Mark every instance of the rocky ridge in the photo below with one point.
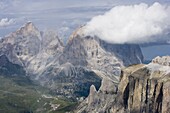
(165, 60)
(48, 61)
(21, 45)
(29, 47)
(96, 54)
(142, 89)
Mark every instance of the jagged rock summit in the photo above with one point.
(21, 45)
(31, 48)
(96, 54)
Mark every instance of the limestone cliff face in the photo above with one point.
(21, 45)
(51, 48)
(98, 55)
(142, 89)
(31, 48)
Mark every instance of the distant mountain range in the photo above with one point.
(85, 67)
(67, 70)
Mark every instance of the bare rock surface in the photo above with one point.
(165, 60)
(98, 55)
(142, 89)
(21, 45)
(99, 101)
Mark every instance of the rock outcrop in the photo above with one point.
(142, 89)
(99, 101)
(165, 60)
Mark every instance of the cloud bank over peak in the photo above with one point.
(131, 24)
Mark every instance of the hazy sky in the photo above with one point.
(62, 15)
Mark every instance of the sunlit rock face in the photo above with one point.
(99, 101)
(31, 48)
(142, 88)
(99, 55)
(21, 45)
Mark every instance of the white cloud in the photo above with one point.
(131, 24)
(6, 22)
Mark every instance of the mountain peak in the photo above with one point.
(30, 25)
(28, 28)
(79, 32)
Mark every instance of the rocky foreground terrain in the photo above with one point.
(142, 89)
(68, 70)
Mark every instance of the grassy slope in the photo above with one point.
(18, 94)
(25, 98)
